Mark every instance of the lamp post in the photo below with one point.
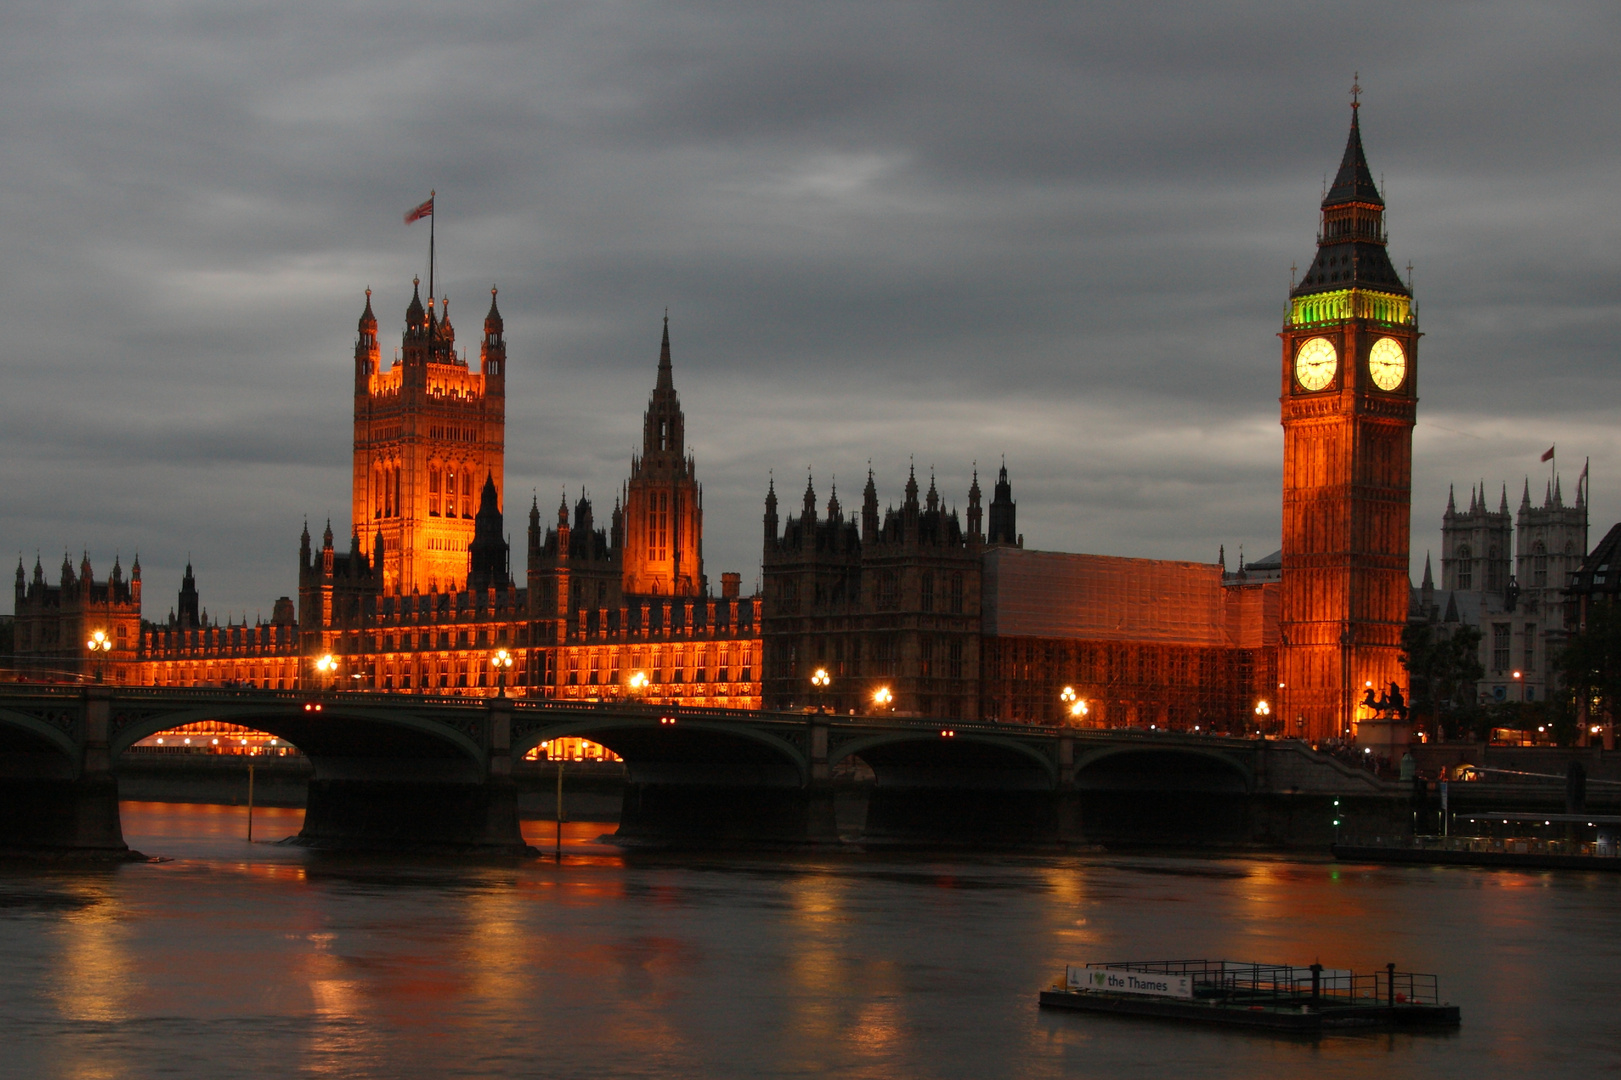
(99, 645)
(1073, 704)
(502, 663)
(883, 699)
(1262, 711)
(327, 666)
(1519, 680)
(820, 681)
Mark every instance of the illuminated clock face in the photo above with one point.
(1316, 363)
(1387, 363)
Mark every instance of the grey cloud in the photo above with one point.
(1057, 231)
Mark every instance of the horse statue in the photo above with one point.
(1392, 704)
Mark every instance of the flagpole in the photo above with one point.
(433, 218)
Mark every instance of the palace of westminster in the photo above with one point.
(952, 618)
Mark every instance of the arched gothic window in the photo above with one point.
(433, 491)
(658, 526)
(1539, 565)
(1466, 567)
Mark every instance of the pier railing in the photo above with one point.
(1278, 985)
(1493, 845)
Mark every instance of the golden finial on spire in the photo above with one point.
(1356, 90)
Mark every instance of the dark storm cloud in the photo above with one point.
(1058, 232)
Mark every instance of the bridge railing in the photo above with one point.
(549, 706)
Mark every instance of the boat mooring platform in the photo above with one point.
(1275, 997)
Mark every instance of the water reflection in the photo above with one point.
(266, 960)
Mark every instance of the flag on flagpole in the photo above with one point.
(426, 210)
(1548, 455)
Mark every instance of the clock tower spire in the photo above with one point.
(1348, 402)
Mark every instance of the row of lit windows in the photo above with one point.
(724, 662)
(447, 674)
(261, 677)
(463, 638)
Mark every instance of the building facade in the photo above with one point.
(949, 618)
(1149, 643)
(911, 613)
(422, 597)
(887, 603)
(51, 624)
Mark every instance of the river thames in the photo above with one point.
(230, 959)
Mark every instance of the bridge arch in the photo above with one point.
(46, 740)
(339, 730)
(1169, 767)
(645, 742)
(965, 749)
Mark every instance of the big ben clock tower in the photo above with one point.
(1349, 397)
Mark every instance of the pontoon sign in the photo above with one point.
(1110, 981)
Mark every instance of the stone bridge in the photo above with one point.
(420, 771)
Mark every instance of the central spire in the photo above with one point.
(663, 552)
(662, 434)
(666, 379)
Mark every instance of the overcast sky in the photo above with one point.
(1062, 233)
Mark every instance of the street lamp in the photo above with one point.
(883, 698)
(1076, 705)
(99, 645)
(1262, 711)
(502, 663)
(637, 683)
(1519, 680)
(327, 666)
(821, 680)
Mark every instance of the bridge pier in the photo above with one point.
(974, 816)
(946, 786)
(417, 803)
(661, 808)
(359, 809)
(50, 802)
(748, 800)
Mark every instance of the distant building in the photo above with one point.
(1507, 576)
